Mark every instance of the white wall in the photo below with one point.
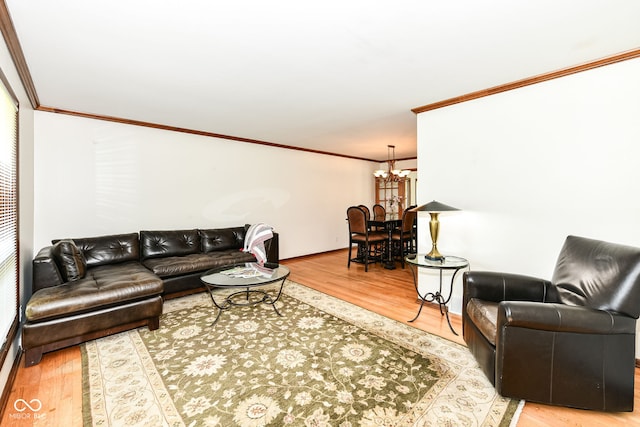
(530, 166)
(95, 177)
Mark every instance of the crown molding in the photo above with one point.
(624, 56)
(191, 131)
(15, 50)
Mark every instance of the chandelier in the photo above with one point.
(391, 174)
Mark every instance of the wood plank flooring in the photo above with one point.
(57, 380)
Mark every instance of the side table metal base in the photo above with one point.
(454, 264)
(442, 303)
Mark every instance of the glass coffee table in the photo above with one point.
(248, 276)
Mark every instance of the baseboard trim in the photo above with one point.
(9, 386)
(299, 257)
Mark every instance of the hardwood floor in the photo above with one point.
(57, 381)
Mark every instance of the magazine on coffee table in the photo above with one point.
(248, 270)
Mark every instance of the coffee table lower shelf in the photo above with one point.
(221, 278)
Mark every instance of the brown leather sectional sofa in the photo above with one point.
(86, 288)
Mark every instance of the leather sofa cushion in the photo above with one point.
(155, 244)
(70, 260)
(484, 315)
(179, 265)
(110, 249)
(222, 238)
(102, 286)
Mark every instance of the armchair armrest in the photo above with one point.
(562, 318)
(566, 355)
(497, 287)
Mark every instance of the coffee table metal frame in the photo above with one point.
(215, 279)
(452, 263)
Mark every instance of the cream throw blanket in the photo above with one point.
(254, 240)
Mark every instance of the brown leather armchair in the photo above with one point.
(569, 341)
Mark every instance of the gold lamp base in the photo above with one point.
(434, 229)
(434, 255)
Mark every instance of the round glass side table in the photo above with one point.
(451, 263)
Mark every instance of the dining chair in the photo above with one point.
(379, 212)
(370, 243)
(366, 210)
(403, 238)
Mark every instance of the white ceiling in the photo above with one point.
(334, 76)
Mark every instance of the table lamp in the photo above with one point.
(434, 208)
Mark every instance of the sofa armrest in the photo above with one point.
(45, 270)
(272, 247)
(496, 287)
(562, 318)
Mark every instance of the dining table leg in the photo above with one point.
(389, 262)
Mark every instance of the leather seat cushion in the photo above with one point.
(179, 265)
(397, 234)
(102, 286)
(484, 315)
(374, 236)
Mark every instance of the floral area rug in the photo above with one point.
(325, 362)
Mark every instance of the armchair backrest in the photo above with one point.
(599, 275)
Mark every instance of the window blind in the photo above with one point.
(8, 214)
